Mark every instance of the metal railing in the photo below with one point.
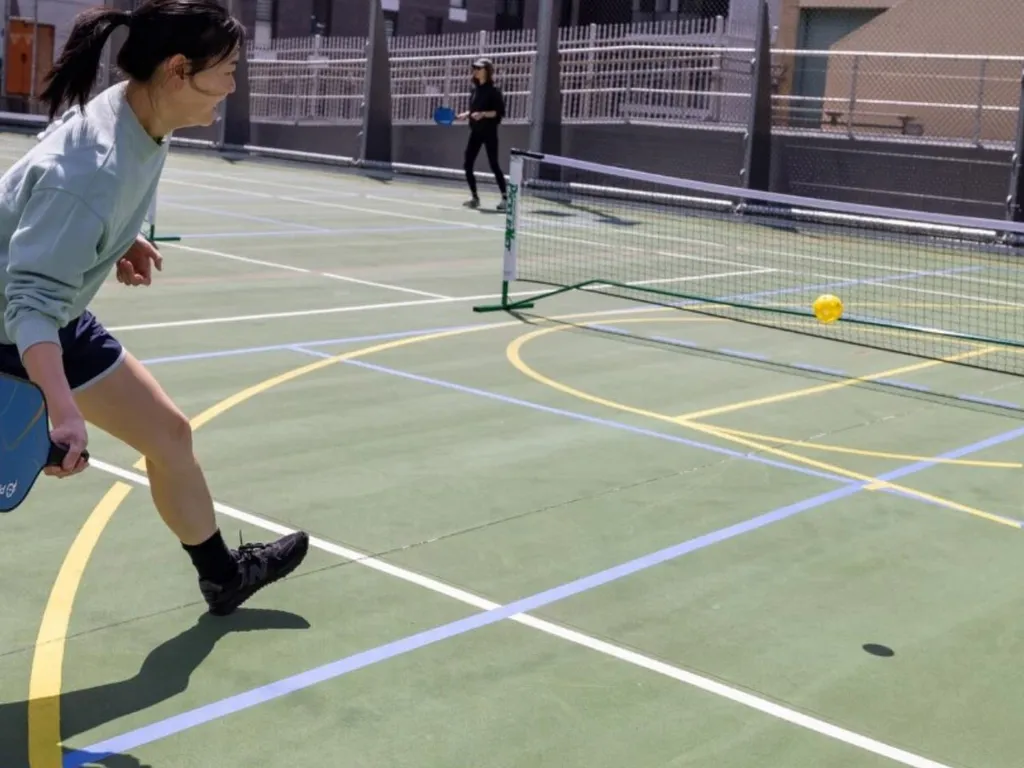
(486, 42)
(630, 73)
(972, 99)
(319, 79)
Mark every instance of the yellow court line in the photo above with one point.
(833, 386)
(512, 353)
(874, 454)
(44, 739)
(48, 656)
(835, 448)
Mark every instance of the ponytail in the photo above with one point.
(72, 77)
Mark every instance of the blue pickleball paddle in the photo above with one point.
(444, 115)
(25, 444)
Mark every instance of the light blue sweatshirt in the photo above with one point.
(69, 209)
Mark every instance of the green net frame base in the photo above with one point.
(153, 237)
(506, 306)
(704, 305)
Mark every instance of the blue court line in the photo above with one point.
(262, 694)
(243, 216)
(305, 348)
(896, 383)
(619, 425)
(283, 347)
(589, 419)
(832, 285)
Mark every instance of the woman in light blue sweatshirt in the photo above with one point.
(71, 211)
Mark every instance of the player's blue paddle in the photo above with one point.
(444, 115)
(25, 445)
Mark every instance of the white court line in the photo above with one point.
(687, 279)
(265, 181)
(881, 267)
(339, 206)
(372, 307)
(594, 243)
(467, 225)
(581, 241)
(706, 684)
(309, 312)
(292, 268)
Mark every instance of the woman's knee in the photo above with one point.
(170, 443)
(131, 406)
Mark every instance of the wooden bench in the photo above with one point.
(907, 125)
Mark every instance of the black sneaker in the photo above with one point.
(258, 566)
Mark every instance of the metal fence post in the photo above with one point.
(853, 96)
(979, 115)
(756, 171)
(546, 112)
(1015, 199)
(375, 138)
(235, 123)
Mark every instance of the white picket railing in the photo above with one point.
(666, 72)
(610, 72)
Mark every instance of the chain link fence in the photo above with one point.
(941, 97)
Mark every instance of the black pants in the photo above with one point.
(489, 140)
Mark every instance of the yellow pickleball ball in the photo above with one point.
(828, 308)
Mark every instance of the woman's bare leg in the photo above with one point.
(130, 405)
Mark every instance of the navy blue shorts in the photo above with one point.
(90, 352)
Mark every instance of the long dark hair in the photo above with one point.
(200, 30)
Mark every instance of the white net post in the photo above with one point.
(512, 219)
(509, 266)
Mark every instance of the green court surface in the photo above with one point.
(845, 588)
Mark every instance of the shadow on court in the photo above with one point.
(164, 673)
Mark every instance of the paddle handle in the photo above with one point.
(57, 454)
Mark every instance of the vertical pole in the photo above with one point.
(35, 55)
(4, 53)
(375, 138)
(1015, 199)
(979, 113)
(235, 125)
(756, 171)
(509, 269)
(546, 112)
(587, 113)
(853, 96)
(511, 221)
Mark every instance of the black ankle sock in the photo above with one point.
(212, 559)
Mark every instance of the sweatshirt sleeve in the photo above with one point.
(56, 242)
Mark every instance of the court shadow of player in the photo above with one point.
(573, 209)
(164, 673)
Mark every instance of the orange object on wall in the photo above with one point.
(18, 55)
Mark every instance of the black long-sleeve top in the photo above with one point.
(486, 97)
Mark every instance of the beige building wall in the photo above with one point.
(789, 31)
(942, 96)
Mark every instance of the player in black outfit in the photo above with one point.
(485, 113)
